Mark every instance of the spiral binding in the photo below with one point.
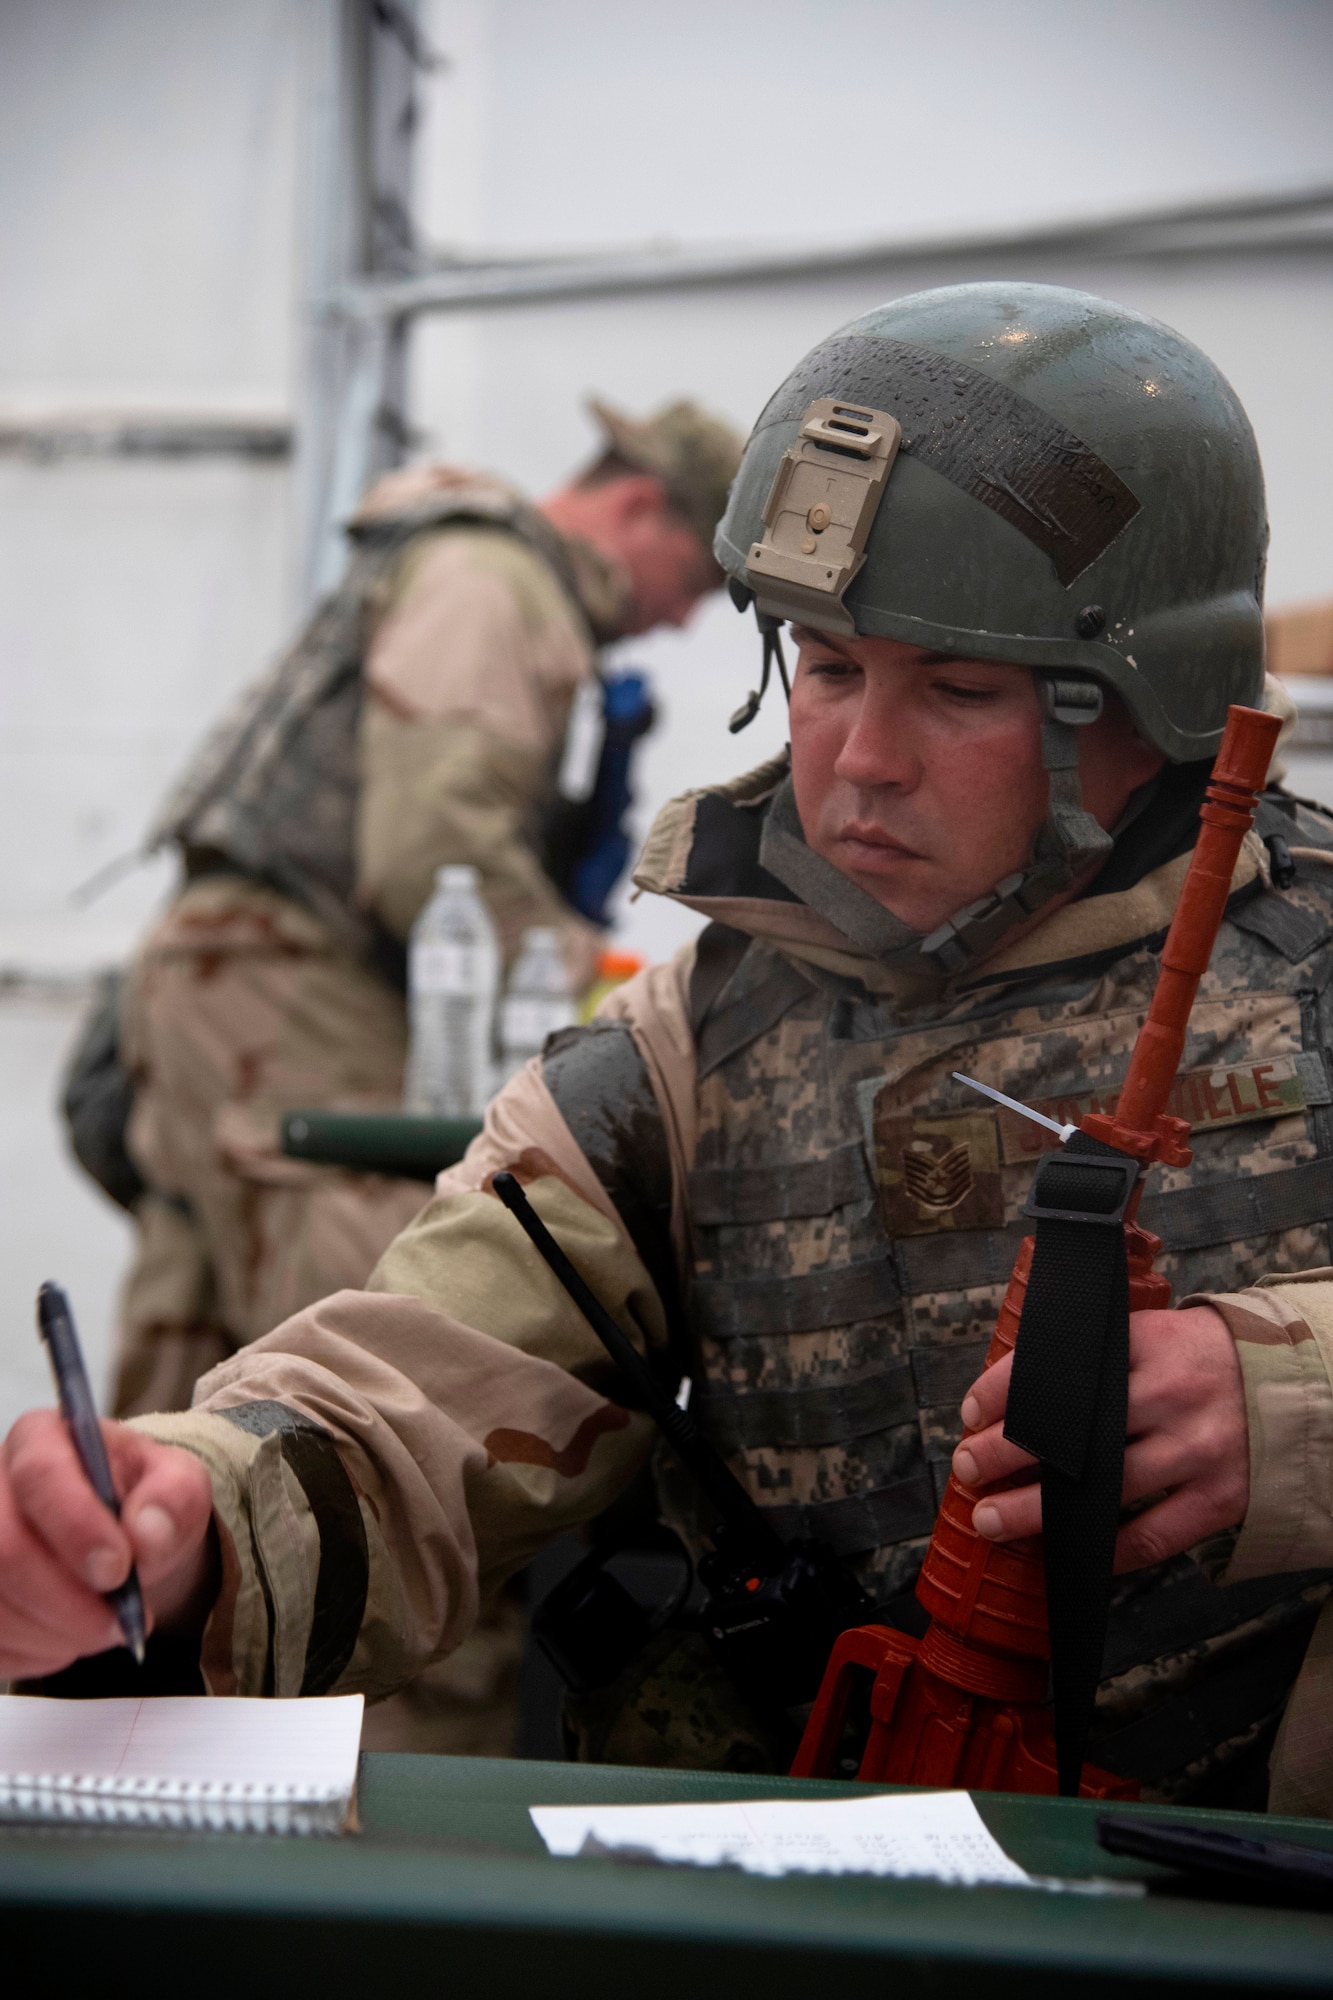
(167, 1802)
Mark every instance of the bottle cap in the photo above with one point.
(618, 964)
(456, 875)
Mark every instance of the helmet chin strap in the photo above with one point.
(1069, 840)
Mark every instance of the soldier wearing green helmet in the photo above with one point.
(1018, 534)
(952, 471)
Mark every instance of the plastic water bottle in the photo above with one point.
(453, 979)
(538, 1000)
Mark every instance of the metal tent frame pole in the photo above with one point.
(367, 278)
(366, 56)
(1299, 220)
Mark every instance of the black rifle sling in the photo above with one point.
(1067, 1406)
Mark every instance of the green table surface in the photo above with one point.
(448, 1889)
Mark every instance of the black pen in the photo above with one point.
(55, 1322)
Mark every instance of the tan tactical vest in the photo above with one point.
(842, 1300)
(273, 791)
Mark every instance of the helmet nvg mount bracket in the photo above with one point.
(819, 511)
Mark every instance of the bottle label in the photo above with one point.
(450, 969)
(526, 1022)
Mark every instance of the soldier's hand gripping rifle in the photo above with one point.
(966, 1704)
(773, 1608)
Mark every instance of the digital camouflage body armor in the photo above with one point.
(273, 792)
(854, 1218)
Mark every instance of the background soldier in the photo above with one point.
(1021, 532)
(420, 719)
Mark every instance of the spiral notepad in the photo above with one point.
(189, 1761)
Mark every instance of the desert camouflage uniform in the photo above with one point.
(419, 719)
(759, 1160)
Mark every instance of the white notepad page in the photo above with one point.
(936, 1834)
(181, 1760)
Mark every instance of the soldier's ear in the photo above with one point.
(636, 495)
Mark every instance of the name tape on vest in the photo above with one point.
(1208, 1098)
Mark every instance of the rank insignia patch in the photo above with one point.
(937, 1173)
(936, 1180)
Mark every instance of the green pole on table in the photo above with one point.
(378, 1142)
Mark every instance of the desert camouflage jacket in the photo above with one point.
(759, 1159)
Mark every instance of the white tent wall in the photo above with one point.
(617, 121)
(156, 159)
(148, 259)
(149, 256)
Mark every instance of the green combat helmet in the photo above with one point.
(1017, 472)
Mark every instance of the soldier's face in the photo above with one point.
(669, 568)
(631, 520)
(920, 777)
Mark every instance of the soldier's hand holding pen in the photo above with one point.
(61, 1549)
(1188, 1441)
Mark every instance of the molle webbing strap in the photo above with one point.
(1185, 1611)
(1304, 822)
(1290, 928)
(1233, 1211)
(1189, 1218)
(980, 435)
(902, 1512)
(748, 1308)
(927, 1378)
(1221, 1707)
(957, 1260)
(1067, 1403)
(791, 1418)
(344, 1561)
(727, 1195)
(944, 1374)
(762, 990)
(717, 953)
